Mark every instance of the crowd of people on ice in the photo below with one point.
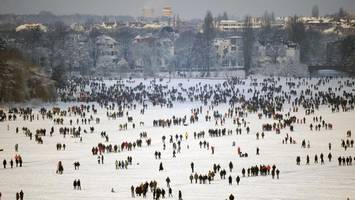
(18, 162)
(268, 98)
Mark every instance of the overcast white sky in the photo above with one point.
(185, 8)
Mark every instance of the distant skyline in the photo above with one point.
(187, 9)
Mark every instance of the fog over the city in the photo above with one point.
(186, 8)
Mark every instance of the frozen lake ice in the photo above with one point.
(39, 181)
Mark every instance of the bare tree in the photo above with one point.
(225, 16)
(197, 56)
(248, 42)
(342, 13)
(315, 11)
(296, 30)
(209, 34)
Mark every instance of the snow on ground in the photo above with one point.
(38, 180)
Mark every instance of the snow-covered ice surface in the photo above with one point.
(38, 180)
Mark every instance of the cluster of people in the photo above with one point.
(289, 140)
(77, 184)
(266, 102)
(317, 127)
(60, 146)
(202, 178)
(219, 132)
(20, 195)
(168, 122)
(157, 192)
(263, 170)
(204, 144)
(109, 148)
(124, 163)
(100, 159)
(76, 165)
(199, 135)
(303, 145)
(316, 159)
(347, 143)
(230, 180)
(240, 153)
(345, 160)
(18, 162)
(157, 154)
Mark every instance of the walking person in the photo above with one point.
(180, 195)
(74, 184)
(168, 182)
(238, 180)
(78, 184)
(11, 163)
(4, 163)
(21, 195)
(277, 173)
(132, 191)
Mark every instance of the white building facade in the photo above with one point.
(106, 52)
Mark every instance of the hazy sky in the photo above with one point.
(185, 8)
